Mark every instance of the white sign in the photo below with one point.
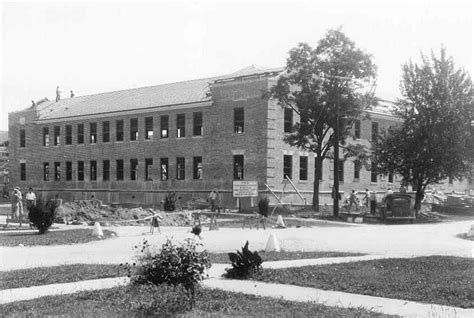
(245, 189)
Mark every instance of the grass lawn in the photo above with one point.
(58, 274)
(50, 238)
(77, 272)
(223, 258)
(440, 280)
(160, 301)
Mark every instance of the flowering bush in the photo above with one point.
(176, 264)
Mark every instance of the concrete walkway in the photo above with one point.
(288, 292)
(404, 240)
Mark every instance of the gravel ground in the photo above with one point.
(385, 240)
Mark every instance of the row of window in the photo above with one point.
(288, 125)
(148, 129)
(238, 169)
(119, 170)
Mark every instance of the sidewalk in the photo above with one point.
(288, 292)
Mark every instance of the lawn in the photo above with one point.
(63, 237)
(77, 272)
(159, 301)
(58, 274)
(440, 280)
(223, 258)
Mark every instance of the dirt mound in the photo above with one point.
(80, 212)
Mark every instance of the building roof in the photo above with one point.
(193, 91)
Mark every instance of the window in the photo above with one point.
(238, 120)
(68, 170)
(341, 170)
(164, 123)
(45, 171)
(390, 177)
(148, 167)
(287, 166)
(68, 134)
(23, 171)
(119, 170)
(22, 138)
(357, 166)
(134, 129)
(180, 126)
(303, 168)
(106, 170)
(93, 133)
(133, 169)
(197, 168)
(45, 136)
(93, 171)
(288, 120)
(375, 131)
(180, 168)
(357, 129)
(105, 131)
(119, 130)
(239, 167)
(57, 171)
(148, 127)
(80, 170)
(80, 133)
(197, 124)
(373, 174)
(57, 136)
(164, 168)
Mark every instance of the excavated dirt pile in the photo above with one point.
(84, 212)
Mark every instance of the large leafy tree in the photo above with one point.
(435, 138)
(315, 84)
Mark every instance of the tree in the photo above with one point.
(316, 83)
(434, 140)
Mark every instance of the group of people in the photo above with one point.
(369, 199)
(17, 202)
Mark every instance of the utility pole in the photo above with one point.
(336, 163)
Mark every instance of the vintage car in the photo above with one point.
(398, 206)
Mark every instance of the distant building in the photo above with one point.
(4, 176)
(190, 137)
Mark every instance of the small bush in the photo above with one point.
(170, 202)
(263, 206)
(244, 264)
(175, 265)
(42, 215)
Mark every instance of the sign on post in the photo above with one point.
(241, 189)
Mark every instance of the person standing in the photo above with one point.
(335, 195)
(16, 204)
(353, 200)
(212, 200)
(373, 202)
(367, 197)
(30, 198)
(58, 94)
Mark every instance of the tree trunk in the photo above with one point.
(317, 177)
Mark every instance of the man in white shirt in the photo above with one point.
(30, 198)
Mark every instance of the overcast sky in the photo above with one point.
(97, 47)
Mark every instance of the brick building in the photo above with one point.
(190, 137)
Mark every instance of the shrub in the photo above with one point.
(263, 206)
(244, 263)
(170, 202)
(42, 215)
(175, 265)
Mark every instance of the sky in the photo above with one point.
(101, 46)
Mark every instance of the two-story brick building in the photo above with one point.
(189, 137)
